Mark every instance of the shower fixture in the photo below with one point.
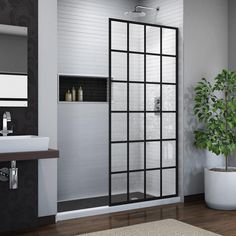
(157, 105)
(137, 12)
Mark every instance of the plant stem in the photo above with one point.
(226, 163)
(226, 125)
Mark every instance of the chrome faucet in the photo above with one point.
(6, 118)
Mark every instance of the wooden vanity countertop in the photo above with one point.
(24, 156)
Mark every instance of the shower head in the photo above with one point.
(135, 13)
(138, 13)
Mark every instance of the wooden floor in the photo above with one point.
(194, 213)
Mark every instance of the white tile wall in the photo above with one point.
(119, 97)
(153, 68)
(119, 157)
(83, 34)
(153, 183)
(153, 154)
(119, 66)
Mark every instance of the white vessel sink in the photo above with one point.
(23, 143)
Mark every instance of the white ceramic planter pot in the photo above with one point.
(220, 189)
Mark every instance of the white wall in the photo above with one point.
(232, 49)
(205, 55)
(232, 35)
(48, 103)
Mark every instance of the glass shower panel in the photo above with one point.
(119, 35)
(153, 155)
(119, 97)
(119, 66)
(153, 68)
(153, 184)
(136, 156)
(153, 126)
(119, 157)
(169, 41)
(118, 188)
(168, 182)
(119, 127)
(153, 39)
(136, 126)
(169, 126)
(168, 95)
(136, 184)
(169, 69)
(136, 38)
(143, 74)
(136, 67)
(136, 97)
(168, 153)
(153, 99)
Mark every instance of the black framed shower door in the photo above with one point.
(143, 112)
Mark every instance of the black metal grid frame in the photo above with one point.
(128, 141)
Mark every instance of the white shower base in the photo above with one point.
(68, 215)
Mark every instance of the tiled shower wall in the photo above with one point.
(83, 50)
(83, 34)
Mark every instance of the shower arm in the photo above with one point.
(147, 8)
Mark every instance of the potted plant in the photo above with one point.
(215, 109)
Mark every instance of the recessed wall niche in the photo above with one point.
(94, 88)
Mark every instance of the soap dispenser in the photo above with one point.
(73, 94)
(68, 96)
(80, 94)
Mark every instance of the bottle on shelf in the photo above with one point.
(80, 94)
(68, 96)
(73, 94)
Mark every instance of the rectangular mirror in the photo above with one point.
(13, 66)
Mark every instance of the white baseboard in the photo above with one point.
(68, 215)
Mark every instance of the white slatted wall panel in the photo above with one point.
(83, 34)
